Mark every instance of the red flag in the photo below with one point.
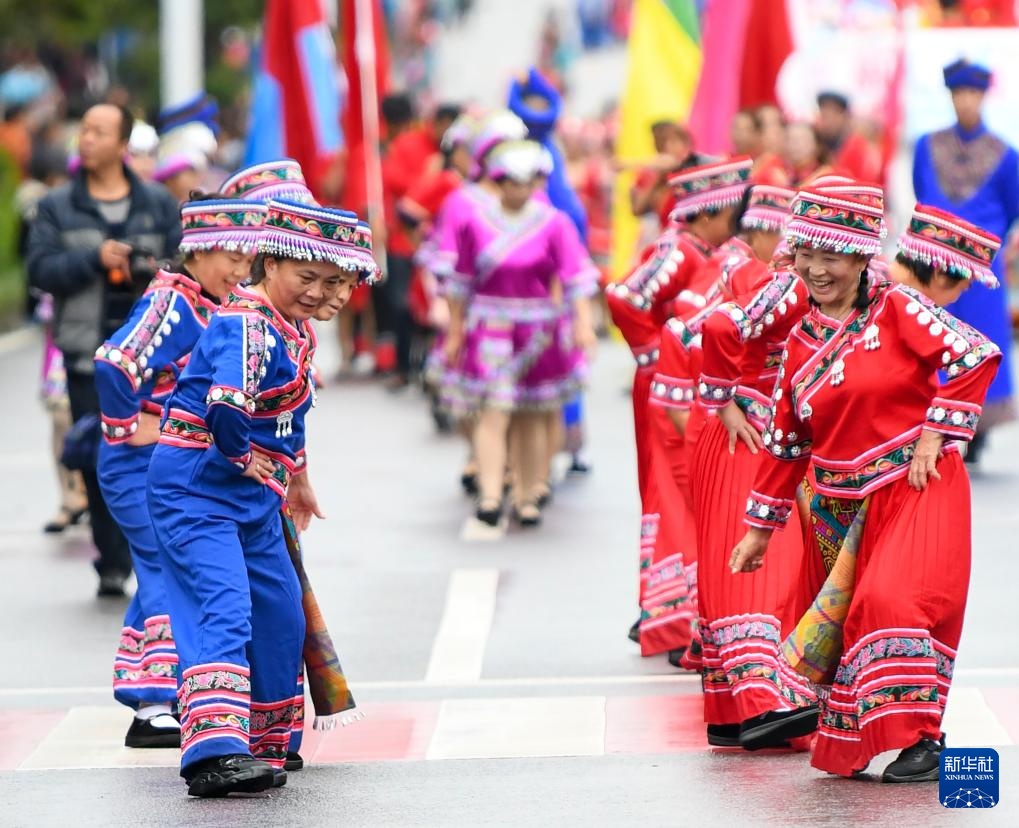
(355, 192)
(768, 44)
(295, 103)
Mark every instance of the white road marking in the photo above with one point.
(969, 722)
(93, 737)
(474, 530)
(458, 653)
(519, 727)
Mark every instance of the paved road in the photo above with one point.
(496, 677)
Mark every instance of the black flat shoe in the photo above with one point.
(279, 777)
(527, 514)
(161, 731)
(771, 729)
(294, 761)
(111, 585)
(469, 482)
(64, 520)
(634, 633)
(489, 512)
(676, 657)
(544, 497)
(919, 763)
(224, 775)
(723, 735)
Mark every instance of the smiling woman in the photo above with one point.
(860, 405)
(231, 449)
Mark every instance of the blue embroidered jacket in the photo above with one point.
(137, 368)
(247, 386)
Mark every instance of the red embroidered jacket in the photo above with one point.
(854, 395)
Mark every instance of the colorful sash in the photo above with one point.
(814, 648)
(330, 695)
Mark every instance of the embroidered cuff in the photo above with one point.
(785, 445)
(300, 463)
(767, 512)
(458, 285)
(953, 418)
(118, 431)
(123, 361)
(715, 392)
(622, 291)
(233, 397)
(672, 392)
(959, 361)
(241, 462)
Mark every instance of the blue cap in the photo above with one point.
(962, 73)
(201, 108)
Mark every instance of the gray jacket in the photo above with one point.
(63, 260)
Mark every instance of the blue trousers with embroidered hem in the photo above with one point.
(236, 605)
(145, 666)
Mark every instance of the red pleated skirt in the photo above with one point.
(669, 588)
(744, 617)
(645, 482)
(902, 630)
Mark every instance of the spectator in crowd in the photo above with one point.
(850, 152)
(411, 150)
(15, 136)
(650, 193)
(806, 155)
(93, 246)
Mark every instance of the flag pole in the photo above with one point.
(364, 51)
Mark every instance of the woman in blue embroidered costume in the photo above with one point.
(231, 449)
(136, 370)
(860, 401)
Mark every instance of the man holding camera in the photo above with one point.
(94, 247)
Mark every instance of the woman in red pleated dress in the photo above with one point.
(641, 303)
(669, 600)
(860, 400)
(752, 698)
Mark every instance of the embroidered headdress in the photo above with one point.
(843, 222)
(519, 161)
(311, 233)
(221, 224)
(459, 133)
(501, 125)
(768, 208)
(963, 73)
(710, 186)
(281, 179)
(950, 243)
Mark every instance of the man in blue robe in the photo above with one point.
(973, 173)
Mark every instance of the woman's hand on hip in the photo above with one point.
(739, 428)
(924, 466)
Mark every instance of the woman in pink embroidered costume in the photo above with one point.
(441, 252)
(505, 338)
(670, 281)
(136, 370)
(859, 400)
(230, 450)
(670, 603)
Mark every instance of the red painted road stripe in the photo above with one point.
(21, 731)
(654, 724)
(392, 731)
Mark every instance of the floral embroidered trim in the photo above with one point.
(714, 392)
(767, 512)
(786, 445)
(122, 360)
(118, 431)
(845, 482)
(952, 417)
(672, 392)
(738, 317)
(232, 397)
